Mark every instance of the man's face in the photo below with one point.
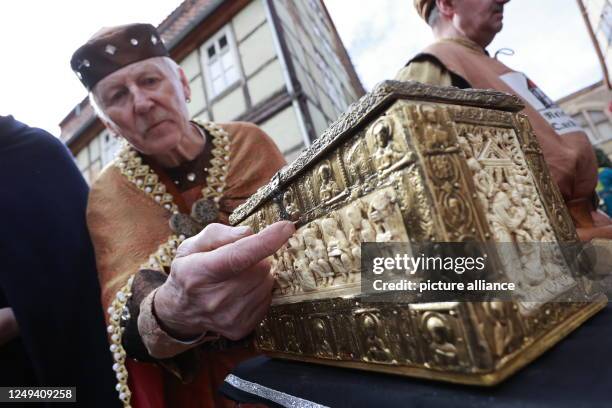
(145, 103)
(479, 20)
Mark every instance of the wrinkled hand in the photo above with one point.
(220, 281)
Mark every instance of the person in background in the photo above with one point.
(458, 57)
(51, 326)
(604, 185)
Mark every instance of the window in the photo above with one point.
(596, 124)
(88, 160)
(110, 147)
(581, 120)
(220, 62)
(331, 86)
(601, 123)
(605, 24)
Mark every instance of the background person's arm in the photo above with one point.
(8, 325)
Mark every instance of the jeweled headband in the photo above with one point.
(114, 49)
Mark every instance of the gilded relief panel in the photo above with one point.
(375, 344)
(559, 217)
(324, 256)
(442, 336)
(507, 193)
(434, 134)
(322, 340)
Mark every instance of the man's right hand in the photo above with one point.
(220, 281)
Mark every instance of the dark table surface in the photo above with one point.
(577, 372)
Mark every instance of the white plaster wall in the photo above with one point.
(249, 18)
(284, 130)
(198, 102)
(319, 121)
(267, 81)
(190, 65)
(230, 106)
(257, 49)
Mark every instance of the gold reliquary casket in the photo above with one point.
(415, 163)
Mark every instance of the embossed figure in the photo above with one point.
(476, 142)
(381, 207)
(360, 229)
(304, 277)
(265, 339)
(317, 254)
(368, 233)
(277, 267)
(357, 161)
(527, 234)
(338, 248)
(385, 154)
(290, 205)
(329, 188)
(353, 213)
(322, 346)
(501, 325)
(535, 225)
(260, 220)
(442, 338)
(283, 272)
(506, 216)
(482, 181)
(435, 136)
(292, 344)
(376, 349)
(464, 144)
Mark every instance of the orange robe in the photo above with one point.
(127, 226)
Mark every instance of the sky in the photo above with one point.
(38, 37)
(549, 38)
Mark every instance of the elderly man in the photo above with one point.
(181, 288)
(463, 28)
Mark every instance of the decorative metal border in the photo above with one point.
(270, 394)
(361, 112)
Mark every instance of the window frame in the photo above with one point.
(605, 21)
(590, 124)
(109, 147)
(206, 70)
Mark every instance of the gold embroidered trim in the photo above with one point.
(118, 311)
(219, 164)
(144, 178)
(161, 259)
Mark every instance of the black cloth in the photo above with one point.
(577, 372)
(456, 80)
(47, 266)
(16, 367)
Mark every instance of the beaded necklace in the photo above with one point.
(203, 212)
